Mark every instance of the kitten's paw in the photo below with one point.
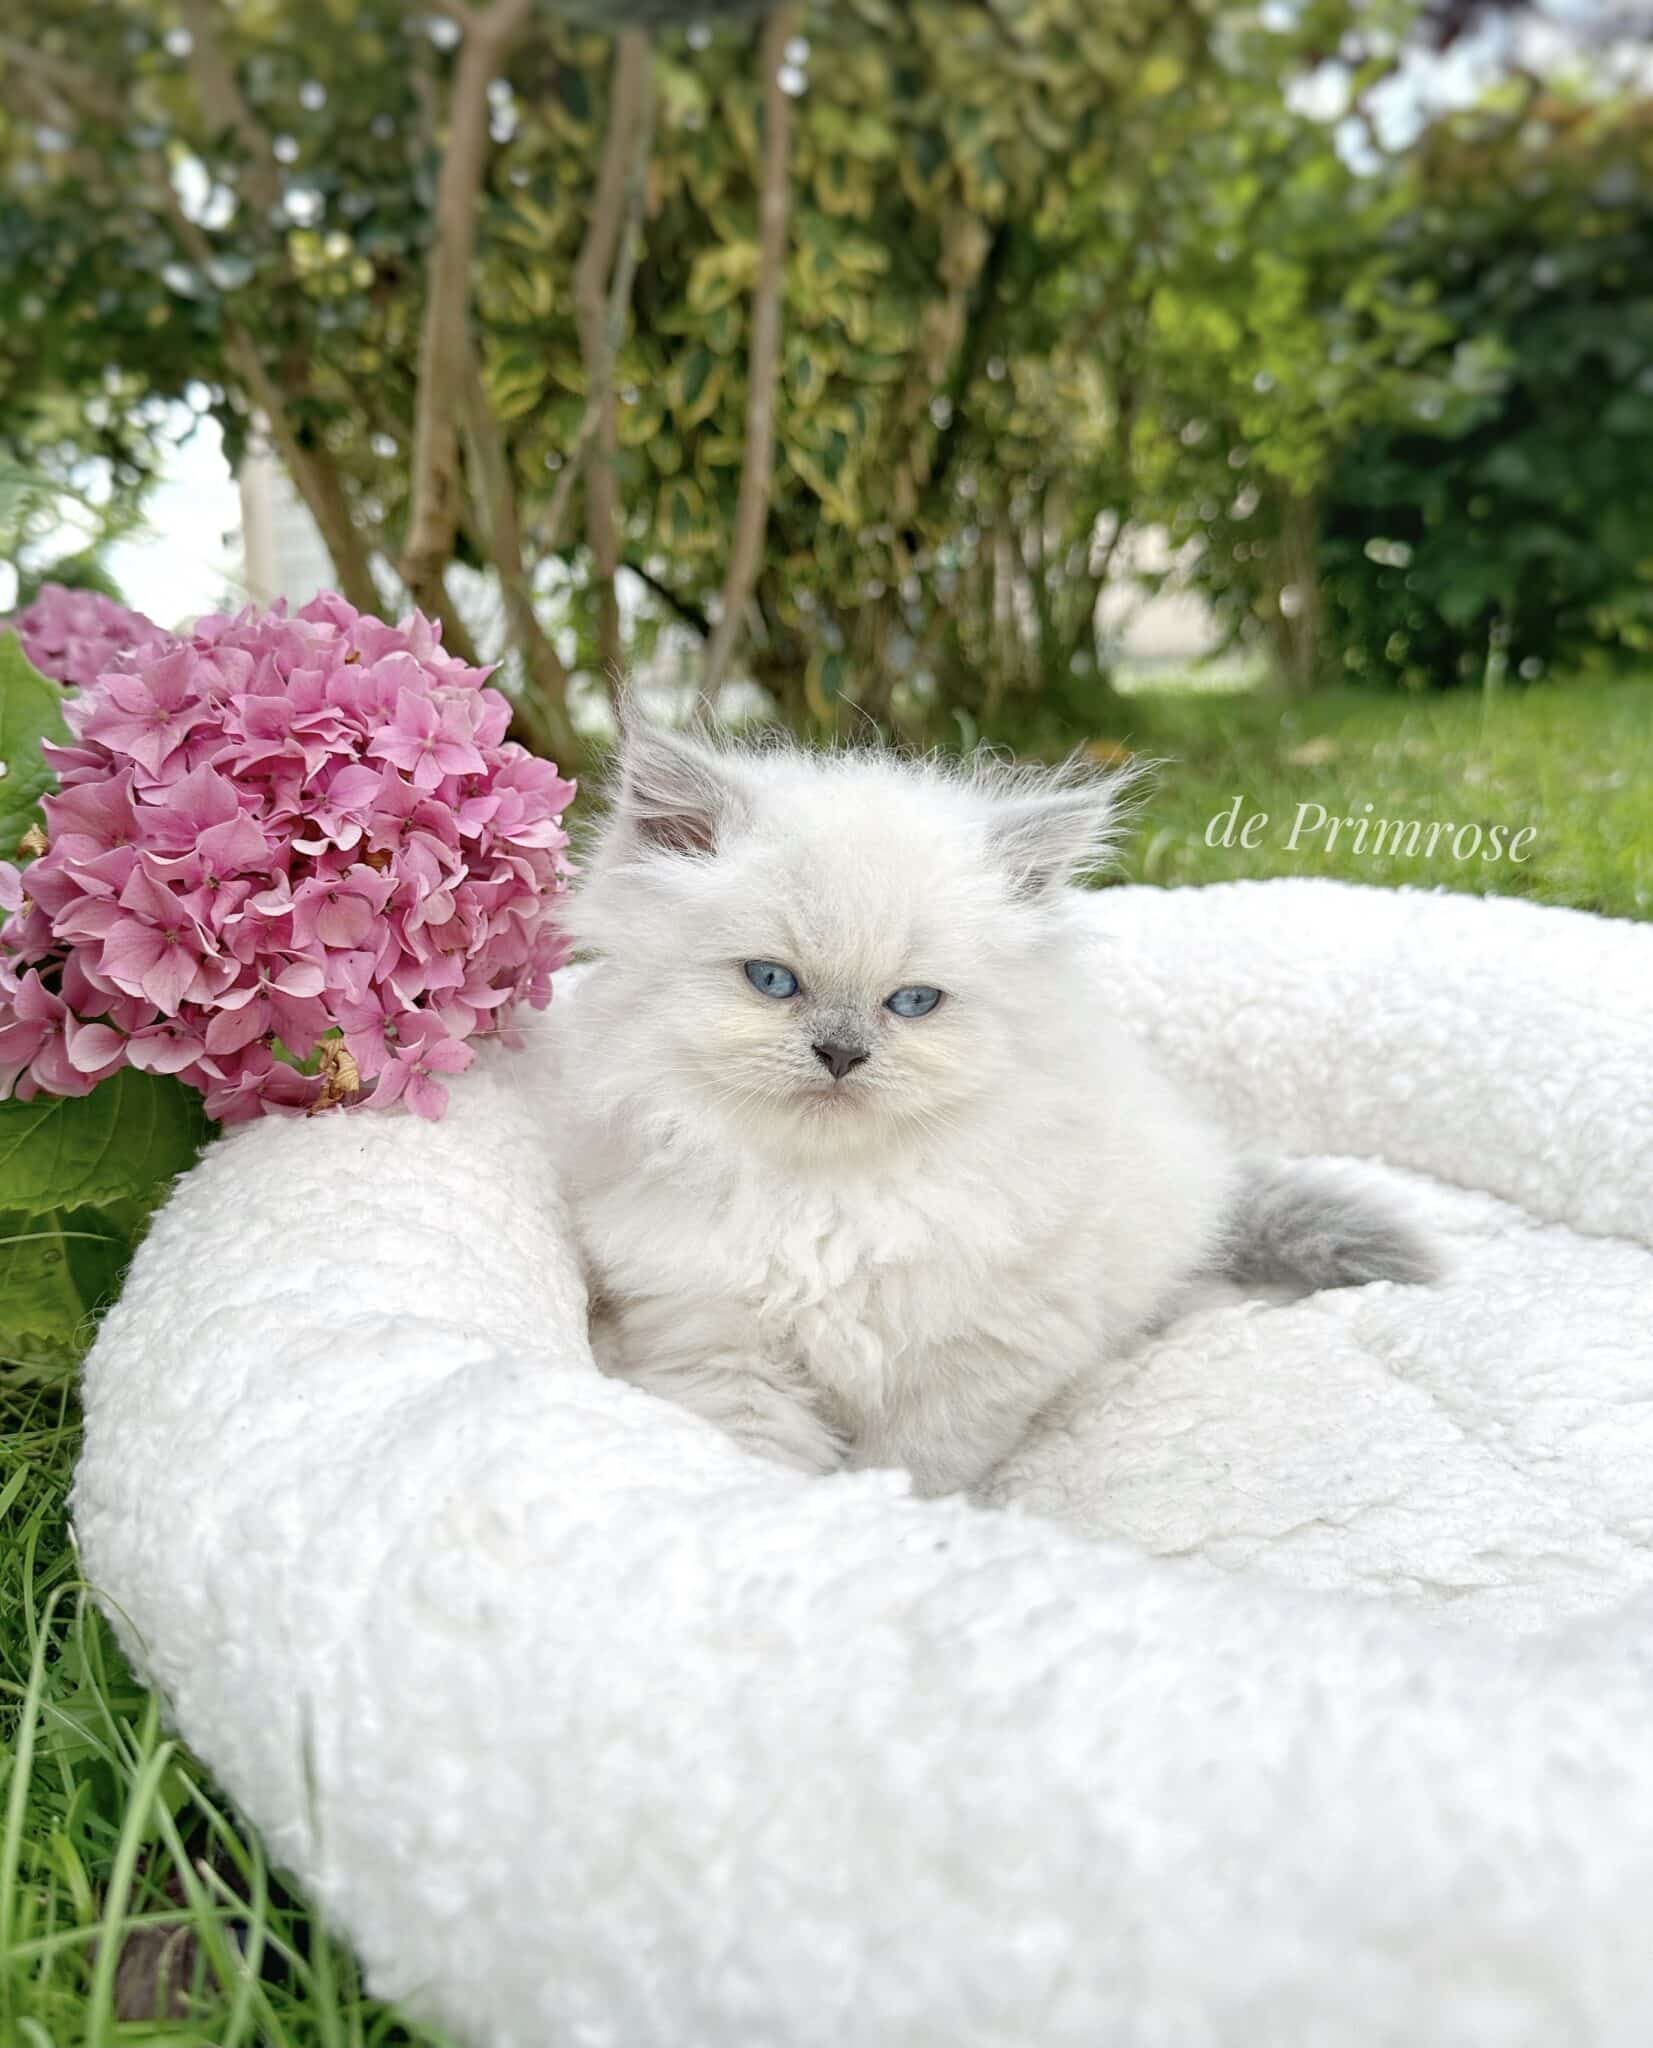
(768, 1408)
(786, 1431)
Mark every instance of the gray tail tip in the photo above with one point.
(1315, 1227)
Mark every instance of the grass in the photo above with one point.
(127, 1889)
(1572, 763)
(133, 1906)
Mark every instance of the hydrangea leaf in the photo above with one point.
(41, 1310)
(31, 709)
(57, 1271)
(99, 1243)
(124, 1140)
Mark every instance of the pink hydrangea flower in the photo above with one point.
(285, 842)
(73, 636)
(60, 1053)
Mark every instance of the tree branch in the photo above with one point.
(624, 160)
(758, 457)
(458, 11)
(548, 532)
(545, 716)
(456, 635)
(685, 608)
(79, 88)
(445, 339)
(221, 98)
(977, 325)
(313, 473)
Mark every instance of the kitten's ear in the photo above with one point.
(1051, 837)
(677, 794)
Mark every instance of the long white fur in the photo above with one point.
(903, 1266)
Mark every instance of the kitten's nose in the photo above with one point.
(838, 1059)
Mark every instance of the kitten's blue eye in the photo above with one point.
(770, 978)
(913, 1002)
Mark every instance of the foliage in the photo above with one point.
(1515, 529)
(272, 255)
(31, 710)
(60, 1152)
(1056, 272)
(84, 569)
(1398, 416)
(78, 1180)
(51, 529)
(1274, 326)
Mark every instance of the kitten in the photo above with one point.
(861, 1168)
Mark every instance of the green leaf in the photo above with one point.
(695, 386)
(124, 1140)
(720, 275)
(56, 1272)
(41, 1310)
(680, 512)
(1162, 74)
(100, 1243)
(31, 709)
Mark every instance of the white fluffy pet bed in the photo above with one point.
(586, 1728)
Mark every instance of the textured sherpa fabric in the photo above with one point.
(588, 1729)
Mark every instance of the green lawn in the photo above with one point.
(1571, 762)
(133, 1907)
(118, 1861)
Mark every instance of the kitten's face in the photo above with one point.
(823, 953)
(794, 965)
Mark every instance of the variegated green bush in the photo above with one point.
(234, 206)
(1049, 270)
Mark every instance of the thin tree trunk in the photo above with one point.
(629, 120)
(1297, 609)
(456, 635)
(545, 717)
(313, 472)
(1046, 658)
(547, 533)
(320, 486)
(758, 456)
(444, 344)
(1091, 584)
(225, 105)
(972, 261)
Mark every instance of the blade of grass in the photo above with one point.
(17, 1793)
(100, 2012)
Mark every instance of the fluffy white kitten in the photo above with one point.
(862, 1170)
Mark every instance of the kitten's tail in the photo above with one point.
(1307, 1227)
